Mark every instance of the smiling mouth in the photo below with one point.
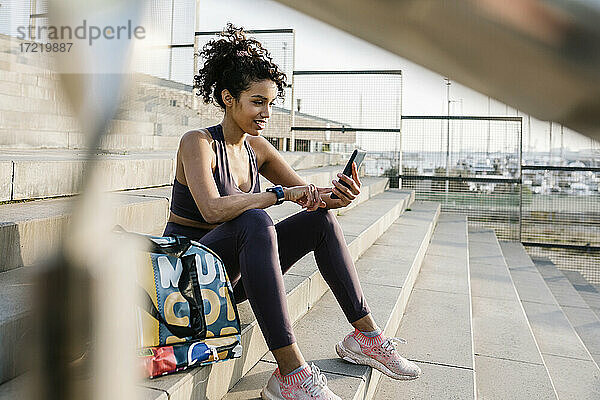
(261, 123)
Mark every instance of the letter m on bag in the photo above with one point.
(169, 276)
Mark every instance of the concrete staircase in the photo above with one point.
(437, 322)
(533, 336)
(153, 114)
(29, 230)
(34, 113)
(482, 319)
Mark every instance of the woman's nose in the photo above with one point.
(266, 112)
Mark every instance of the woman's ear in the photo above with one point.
(227, 97)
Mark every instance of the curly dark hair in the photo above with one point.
(233, 62)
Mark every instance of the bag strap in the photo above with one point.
(170, 244)
(148, 306)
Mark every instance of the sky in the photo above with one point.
(323, 47)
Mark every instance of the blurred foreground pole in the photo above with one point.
(85, 311)
(540, 56)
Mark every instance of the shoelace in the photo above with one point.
(391, 343)
(316, 382)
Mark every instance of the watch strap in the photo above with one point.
(278, 190)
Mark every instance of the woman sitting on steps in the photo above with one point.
(217, 201)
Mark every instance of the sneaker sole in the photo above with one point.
(266, 395)
(355, 358)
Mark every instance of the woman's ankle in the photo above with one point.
(289, 358)
(287, 369)
(366, 324)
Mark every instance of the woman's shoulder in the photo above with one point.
(263, 149)
(195, 136)
(258, 143)
(197, 142)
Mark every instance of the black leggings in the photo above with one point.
(257, 253)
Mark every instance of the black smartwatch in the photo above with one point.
(278, 190)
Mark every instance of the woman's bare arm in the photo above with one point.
(196, 155)
(278, 171)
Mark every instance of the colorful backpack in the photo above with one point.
(187, 315)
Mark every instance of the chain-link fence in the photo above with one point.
(337, 111)
(582, 260)
(21, 18)
(471, 165)
(168, 24)
(561, 216)
(172, 23)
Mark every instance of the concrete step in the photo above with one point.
(32, 105)
(21, 179)
(9, 62)
(387, 272)
(19, 139)
(589, 292)
(155, 117)
(139, 211)
(30, 85)
(15, 331)
(21, 388)
(63, 171)
(14, 55)
(30, 231)
(441, 345)
(583, 319)
(504, 343)
(28, 78)
(34, 139)
(574, 373)
(38, 121)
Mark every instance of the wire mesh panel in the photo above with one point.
(357, 99)
(337, 111)
(171, 23)
(561, 205)
(561, 215)
(182, 59)
(16, 17)
(584, 261)
(470, 165)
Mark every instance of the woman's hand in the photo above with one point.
(308, 196)
(346, 195)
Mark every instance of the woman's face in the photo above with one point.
(253, 108)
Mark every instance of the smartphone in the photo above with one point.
(357, 156)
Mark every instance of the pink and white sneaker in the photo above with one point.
(307, 384)
(378, 352)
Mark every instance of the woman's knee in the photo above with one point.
(257, 226)
(255, 218)
(325, 219)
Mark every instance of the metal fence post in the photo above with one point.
(521, 182)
